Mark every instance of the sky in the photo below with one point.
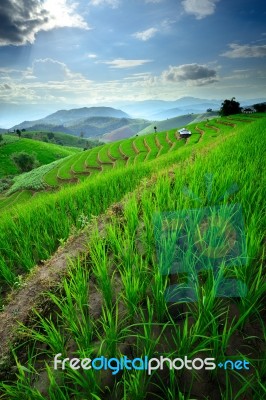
(58, 54)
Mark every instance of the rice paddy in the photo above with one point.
(145, 283)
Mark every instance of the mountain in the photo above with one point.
(70, 117)
(93, 127)
(162, 109)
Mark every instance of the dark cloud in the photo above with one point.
(5, 86)
(20, 20)
(194, 73)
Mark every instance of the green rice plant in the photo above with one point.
(74, 305)
(33, 179)
(100, 266)
(114, 149)
(126, 147)
(46, 332)
(136, 281)
(139, 143)
(111, 331)
(79, 165)
(22, 388)
(103, 155)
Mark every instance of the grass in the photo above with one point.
(123, 263)
(45, 153)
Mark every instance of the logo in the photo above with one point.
(204, 238)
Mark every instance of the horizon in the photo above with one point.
(109, 52)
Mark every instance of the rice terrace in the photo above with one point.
(136, 269)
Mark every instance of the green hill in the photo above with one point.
(45, 152)
(177, 122)
(60, 138)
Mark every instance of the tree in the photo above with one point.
(50, 135)
(230, 107)
(82, 134)
(209, 110)
(18, 132)
(1, 138)
(155, 129)
(260, 107)
(24, 161)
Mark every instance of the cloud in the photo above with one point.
(245, 51)
(194, 74)
(21, 20)
(91, 55)
(111, 3)
(47, 70)
(5, 86)
(122, 63)
(199, 8)
(145, 35)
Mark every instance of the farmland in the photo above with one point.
(45, 152)
(80, 269)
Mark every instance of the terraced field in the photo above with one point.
(124, 153)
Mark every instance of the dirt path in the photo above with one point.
(41, 279)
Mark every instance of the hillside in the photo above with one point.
(161, 256)
(45, 152)
(59, 138)
(177, 122)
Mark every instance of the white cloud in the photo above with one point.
(49, 70)
(145, 35)
(62, 13)
(91, 55)
(245, 51)
(122, 63)
(111, 3)
(194, 74)
(199, 8)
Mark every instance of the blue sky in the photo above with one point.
(64, 53)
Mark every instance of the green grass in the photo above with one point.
(44, 152)
(60, 138)
(34, 180)
(122, 263)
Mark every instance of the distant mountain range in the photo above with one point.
(77, 115)
(108, 123)
(163, 109)
(92, 122)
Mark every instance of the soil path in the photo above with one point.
(41, 279)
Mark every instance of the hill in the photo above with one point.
(69, 117)
(59, 138)
(90, 127)
(45, 152)
(176, 122)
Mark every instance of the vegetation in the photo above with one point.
(59, 138)
(113, 299)
(25, 162)
(44, 152)
(230, 107)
